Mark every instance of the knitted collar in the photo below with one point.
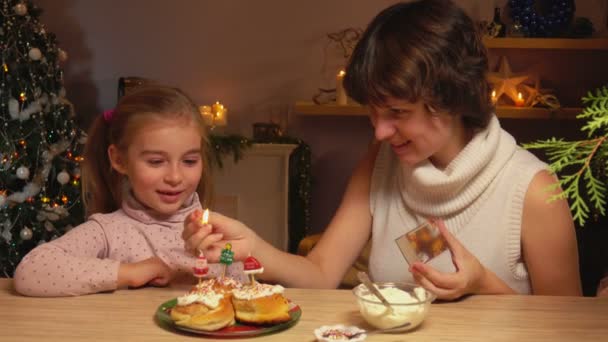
(439, 193)
(136, 210)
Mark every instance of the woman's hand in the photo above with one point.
(211, 238)
(151, 271)
(469, 277)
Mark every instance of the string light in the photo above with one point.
(22, 97)
(5, 67)
(45, 199)
(64, 199)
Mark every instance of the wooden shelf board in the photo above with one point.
(547, 43)
(507, 112)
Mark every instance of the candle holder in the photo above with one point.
(214, 115)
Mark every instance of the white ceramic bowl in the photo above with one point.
(410, 303)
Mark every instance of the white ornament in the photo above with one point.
(20, 9)
(23, 172)
(13, 108)
(26, 233)
(62, 55)
(35, 54)
(63, 177)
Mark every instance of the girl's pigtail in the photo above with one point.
(99, 181)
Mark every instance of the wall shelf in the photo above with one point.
(507, 112)
(547, 43)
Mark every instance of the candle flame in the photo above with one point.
(520, 96)
(341, 73)
(493, 93)
(205, 218)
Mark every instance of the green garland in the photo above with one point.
(582, 165)
(300, 176)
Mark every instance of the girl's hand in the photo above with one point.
(212, 238)
(151, 271)
(469, 276)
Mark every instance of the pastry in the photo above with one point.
(203, 309)
(260, 304)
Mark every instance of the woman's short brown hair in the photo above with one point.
(426, 50)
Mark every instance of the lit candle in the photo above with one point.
(520, 100)
(219, 114)
(205, 218)
(494, 99)
(207, 115)
(340, 93)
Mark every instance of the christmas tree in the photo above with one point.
(40, 143)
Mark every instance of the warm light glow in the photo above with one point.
(341, 73)
(64, 199)
(520, 100)
(205, 218)
(5, 67)
(494, 99)
(214, 115)
(22, 97)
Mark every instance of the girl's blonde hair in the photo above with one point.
(102, 185)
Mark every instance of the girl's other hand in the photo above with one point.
(211, 238)
(468, 278)
(152, 271)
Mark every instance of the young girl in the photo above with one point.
(421, 68)
(141, 176)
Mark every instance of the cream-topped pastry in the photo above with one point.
(203, 309)
(257, 290)
(204, 296)
(260, 304)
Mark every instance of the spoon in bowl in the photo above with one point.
(364, 278)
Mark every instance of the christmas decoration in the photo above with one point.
(39, 139)
(252, 266)
(581, 165)
(226, 257)
(201, 268)
(63, 177)
(505, 81)
(546, 18)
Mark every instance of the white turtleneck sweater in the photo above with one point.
(479, 195)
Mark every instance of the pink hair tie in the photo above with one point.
(108, 114)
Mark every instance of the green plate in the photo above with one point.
(237, 330)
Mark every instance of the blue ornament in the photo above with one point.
(535, 24)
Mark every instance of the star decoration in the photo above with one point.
(505, 82)
(535, 94)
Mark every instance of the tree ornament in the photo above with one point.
(2, 199)
(23, 173)
(26, 233)
(13, 108)
(35, 54)
(62, 55)
(63, 177)
(20, 9)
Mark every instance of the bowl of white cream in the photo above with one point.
(410, 303)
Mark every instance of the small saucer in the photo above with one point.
(339, 332)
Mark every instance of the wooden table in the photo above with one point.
(128, 315)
